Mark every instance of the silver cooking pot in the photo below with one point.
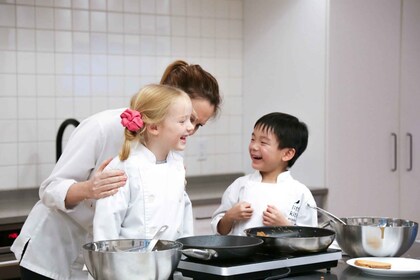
(113, 259)
(375, 236)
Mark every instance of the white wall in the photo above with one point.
(70, 59)
(284, 70)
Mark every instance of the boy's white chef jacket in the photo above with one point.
(288, 195)
(56, 233)
(152, 197)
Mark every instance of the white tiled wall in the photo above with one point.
(64, 59)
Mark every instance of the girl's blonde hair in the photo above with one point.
(153, 102)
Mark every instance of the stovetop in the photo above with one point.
(258, 266)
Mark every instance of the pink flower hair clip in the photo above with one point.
(131, 119)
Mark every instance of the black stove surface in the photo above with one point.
(258, 266)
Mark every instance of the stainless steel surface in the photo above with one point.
(375, 236)
(325, 212)
(302, 239)
(105, 260)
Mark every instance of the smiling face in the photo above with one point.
(176, 126)
(202, 112)
(266, 154)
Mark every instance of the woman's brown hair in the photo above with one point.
(194, 80)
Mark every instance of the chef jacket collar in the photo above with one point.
(256, 176)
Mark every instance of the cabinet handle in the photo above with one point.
(410, 151)
(394, 168)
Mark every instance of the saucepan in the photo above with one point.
(293, 239)
(129, 259)
(219, 247)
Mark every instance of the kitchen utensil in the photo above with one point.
(111, 259)
(325, 212)
(208, 247)
(155, 238)
(293, 239)
(375, 236)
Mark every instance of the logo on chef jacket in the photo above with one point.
(294, 212)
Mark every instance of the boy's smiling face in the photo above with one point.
(266, 155)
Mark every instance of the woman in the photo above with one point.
(49, 245)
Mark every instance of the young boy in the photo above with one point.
(269, 196)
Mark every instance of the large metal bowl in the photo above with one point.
(112, 259)
(375, 236)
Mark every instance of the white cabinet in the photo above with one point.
(372, 112)
(409, 164)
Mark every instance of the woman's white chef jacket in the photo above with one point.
(288, 195)
(50, 225)
(152, 197)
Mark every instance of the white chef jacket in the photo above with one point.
(50, 225)
(288, 195)
(152, 197)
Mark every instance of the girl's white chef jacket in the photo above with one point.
(288, 195)
(152, 197)
(57, 234)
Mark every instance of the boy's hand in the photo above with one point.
(273, 217)
(240, 211)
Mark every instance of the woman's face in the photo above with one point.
(202, 112)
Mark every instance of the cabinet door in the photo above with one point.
(363, 102)
(410, 116)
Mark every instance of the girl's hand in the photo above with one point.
(105, 183)
(240, 211)
(273, 217)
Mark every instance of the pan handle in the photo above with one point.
(280, 276)
(202, 254)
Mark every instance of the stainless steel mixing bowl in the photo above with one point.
(375, 236)
(112, 259)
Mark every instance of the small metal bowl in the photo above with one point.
(375, 236)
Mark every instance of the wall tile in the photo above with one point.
(7, 38)
(25, 16)
(115, 5)
(147, 6)
(132, 6)
(63, 41)
(45, 40)
(98, 21)
(147, 24)
(115, 44)
(8, 176)
(80, 4)
(97, 4)
(62, 3)
(8, 108)
(8, 130)
(63, 85)
(8, 85)
(82, 85)
(45, 85)
(80, 20)
(44, 18)
(26, 39)
(45, 63)
(8, 155)
(131, 23)
(178, 7)
(115, 22)
(81, 42)
(27, 173)
(9, 62)
(45, 115)
(62, 19)
(26, 85)
(7, 15)
(98, 42)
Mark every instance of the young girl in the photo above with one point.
(156, 125)
(270, 196)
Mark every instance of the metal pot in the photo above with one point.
(208, 247)
(112, 259)
(293, 239)
(375, 236)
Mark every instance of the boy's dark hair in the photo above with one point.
(290, 132)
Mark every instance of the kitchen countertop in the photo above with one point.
(343, 271)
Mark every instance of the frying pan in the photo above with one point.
(293, 239)
(210, 247)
